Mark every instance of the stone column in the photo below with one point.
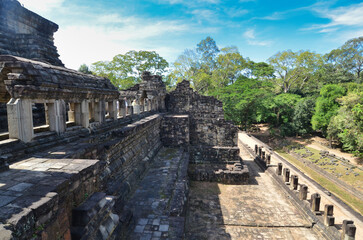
(268, 159)
(279, 169)
(122, 109)
(112, 109)
(294, 182)
(350, 232)
(328, 215)
(150, 105)
(286, 175)
(157, 105)
(91, 110)
(82, 113)
(303, 194)
(146, 107)
(260, 152)
(345, 228)
(315, 202)
(99, 111)
(71, 116)
(46, 114)
(57, 116)
(20, 119)
(136, 107)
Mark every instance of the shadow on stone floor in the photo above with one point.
(254, 171)
(205, 213)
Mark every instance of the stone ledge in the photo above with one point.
(214, 154)
(35, 191)
(235, 173)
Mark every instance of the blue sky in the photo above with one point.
(93, 30)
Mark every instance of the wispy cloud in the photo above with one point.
(339, 17)
(236, 12)
(193, 3)
(250, 36)
(204, 14)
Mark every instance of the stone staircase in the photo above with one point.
(94, 218)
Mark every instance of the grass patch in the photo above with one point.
(340, 171)
(349, 199)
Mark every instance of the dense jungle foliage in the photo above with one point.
(299, 92)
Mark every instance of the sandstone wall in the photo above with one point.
(211, 136)
(26, 34)
(175, 131)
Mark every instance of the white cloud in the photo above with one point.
(250, 36)
(339, 17)
(41, 6)
(91, 43)
(188, 3)
(205, 14)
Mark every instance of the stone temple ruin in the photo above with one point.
(81, 160)
(82, 173)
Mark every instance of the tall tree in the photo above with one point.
(294, 69)
(229, 66)
(349, 57)
(125, 69)
(243, 101)
(208, 50)
(347, 125)
(326, 106)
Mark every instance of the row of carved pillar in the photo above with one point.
(20, 116)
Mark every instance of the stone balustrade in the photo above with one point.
(326, 217)
(67, 94)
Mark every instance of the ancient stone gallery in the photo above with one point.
(75, 152)
(80, 159)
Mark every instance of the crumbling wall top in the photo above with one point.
(24, 78)
(151, 87)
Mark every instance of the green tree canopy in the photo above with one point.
(326, 106)
(294, 69)
(125, 69)
(303, 113)
(84, 69)
(348, 58)
(243, 101)
(207, 67)
(347, 125)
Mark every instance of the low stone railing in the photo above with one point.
(290, 182)
(86, 97)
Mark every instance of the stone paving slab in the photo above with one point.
(150, 203)
(30, 188)
(259, 210)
